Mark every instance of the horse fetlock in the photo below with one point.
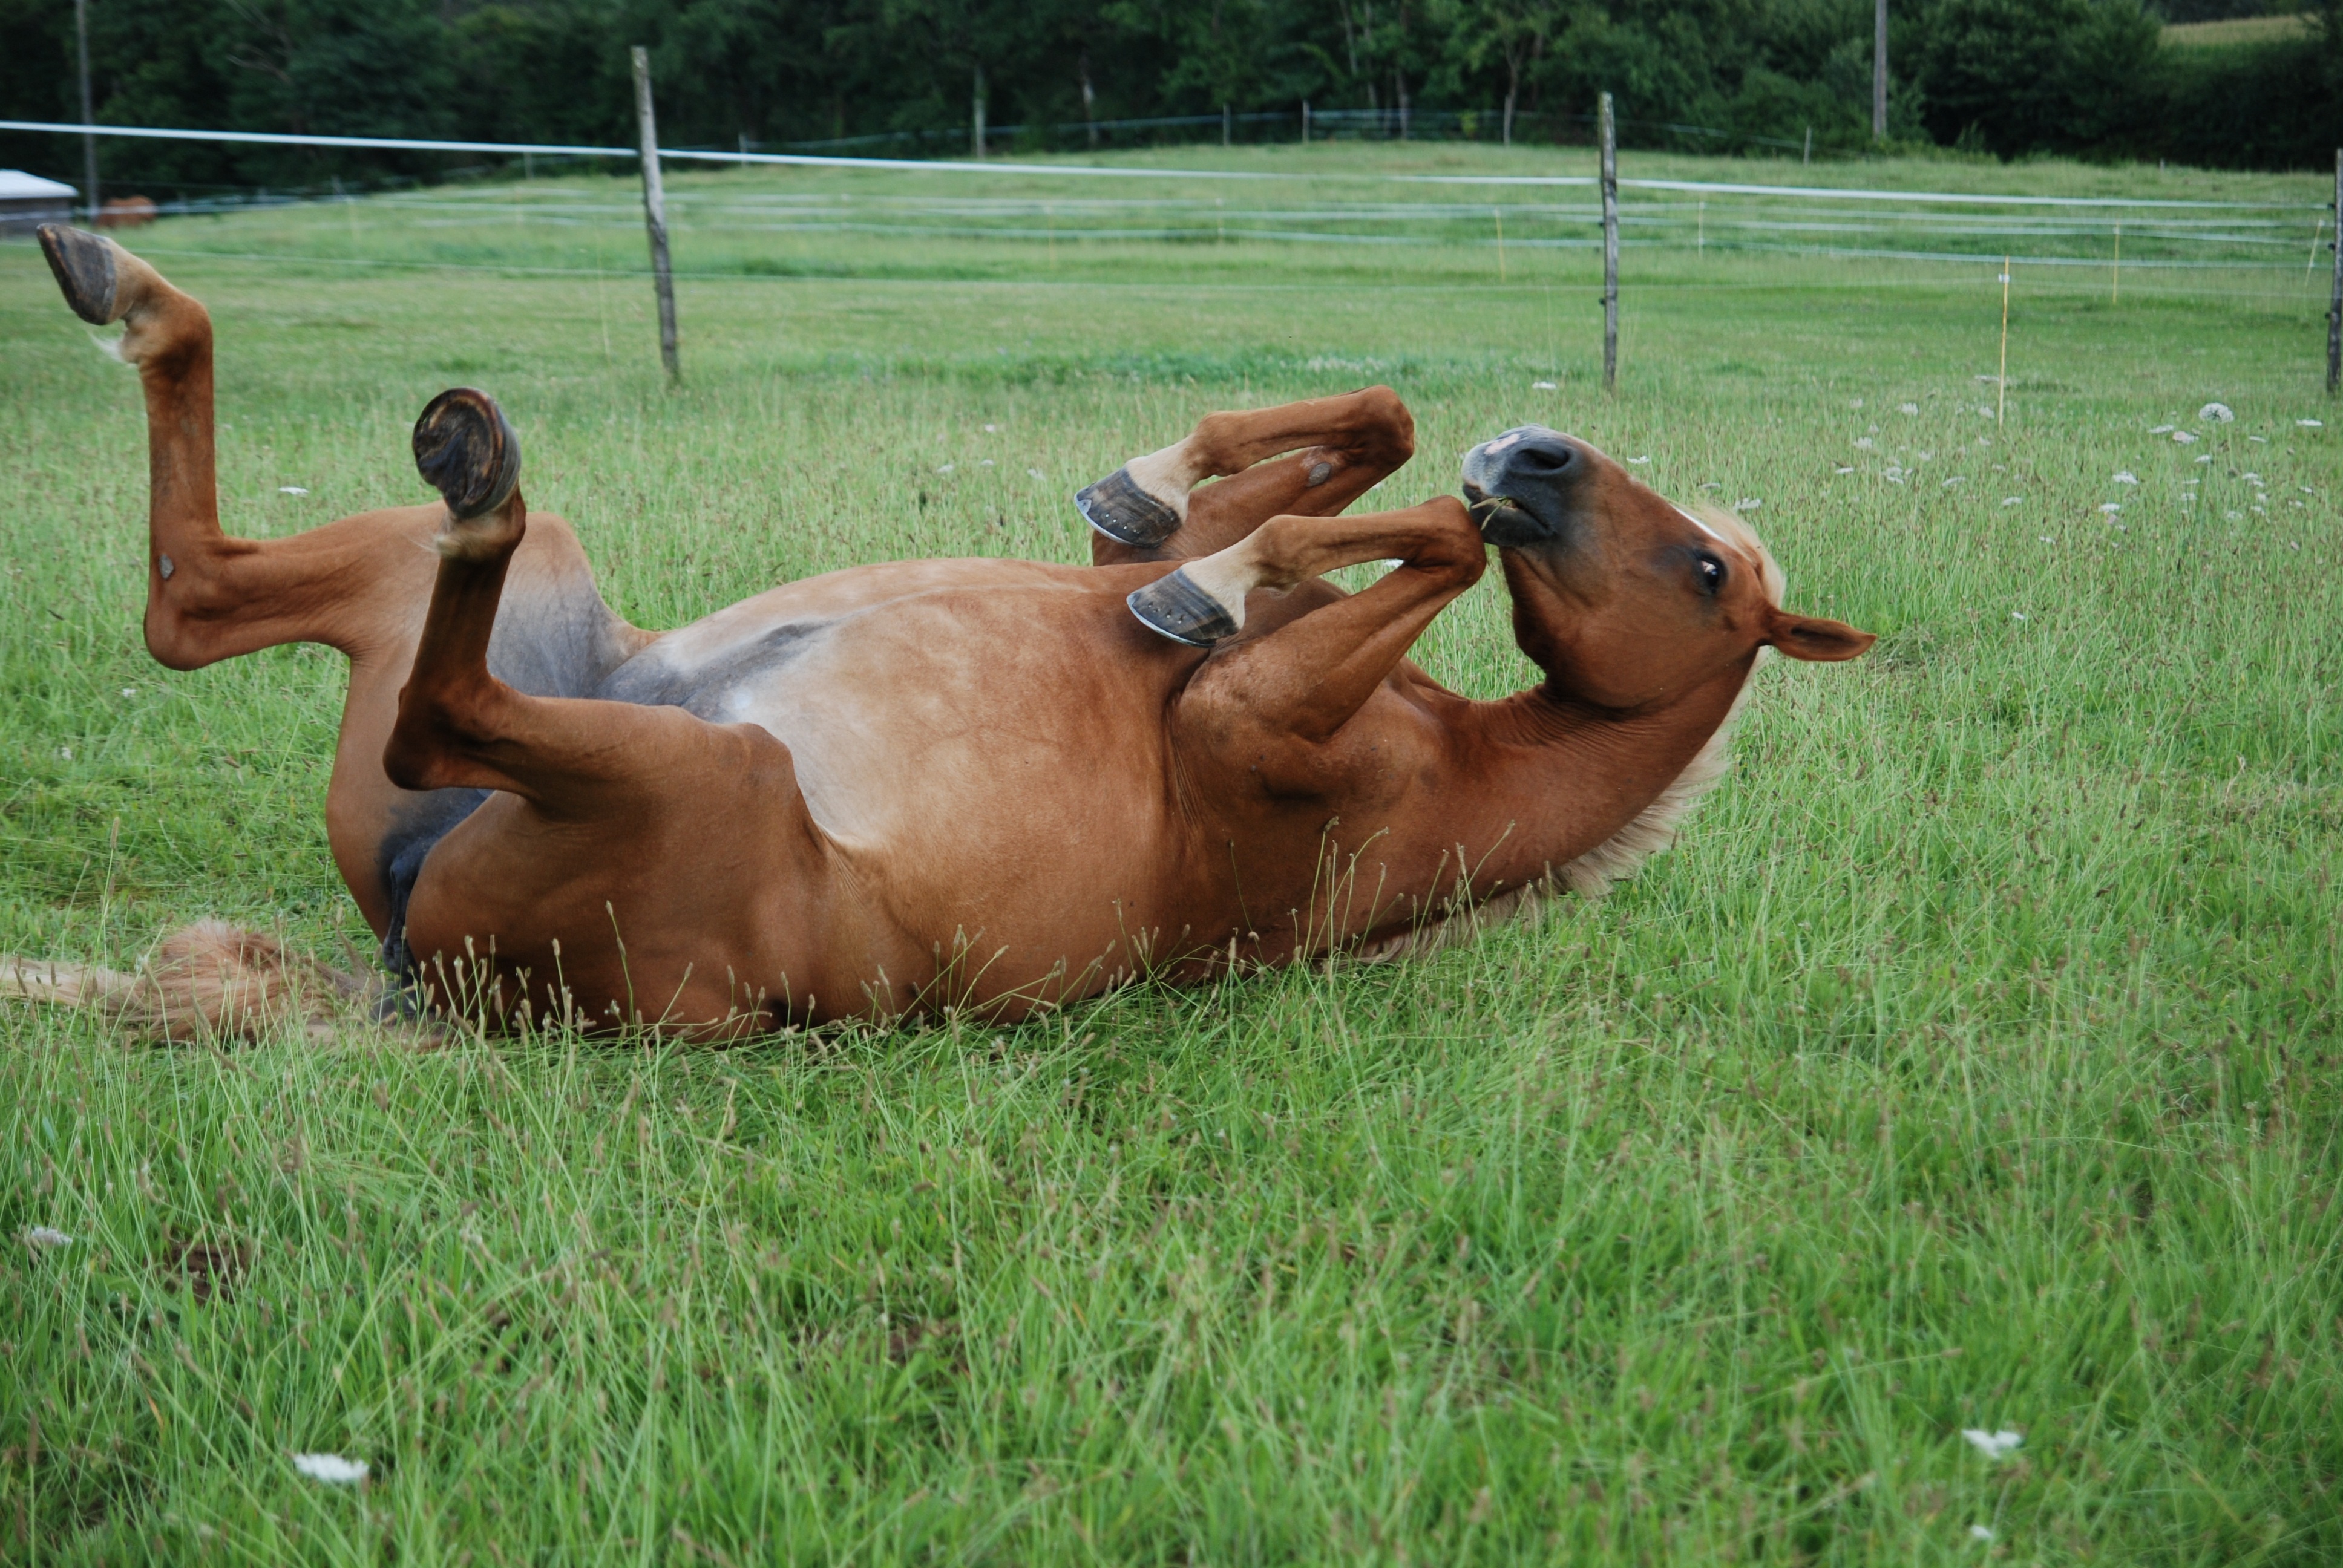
(468, 450)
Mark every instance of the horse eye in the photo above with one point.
(1712, 572)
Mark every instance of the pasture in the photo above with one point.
(1972, 1062)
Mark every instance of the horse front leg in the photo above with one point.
(1158, 506)
(1300, 683)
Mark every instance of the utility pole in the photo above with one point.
(655, 212)
(88, 138)
(1879, 71)
(1610, 133)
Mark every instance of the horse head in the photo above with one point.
(1626, 600)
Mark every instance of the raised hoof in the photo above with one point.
(1173, 606)
(467, 451)
(84, 264)
(1117, 507)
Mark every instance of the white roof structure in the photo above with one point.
(15, 185)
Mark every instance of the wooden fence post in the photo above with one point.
(655, 212)
(976, 116)
(2334, 302)
(1610, 134)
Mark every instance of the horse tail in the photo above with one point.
(207, 980)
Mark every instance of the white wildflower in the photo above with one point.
(291, 490)
(129, 691)
(330, 1468)
(1866, 444)
(66, 753)
(2254, 480)
(2013, 500)
(2312, 424)
(1992, 1444)
(1979, 1533)
(2258, 440)
(2046, 538)
(1746, 503)
(47, 1238)
(984, 463)
(1842, 470)
(991, 430)
(2206, 458)
(2017, 615)
(1957, 479)
(2234, 517)
(2217, 413)
(2160, 430)
(2186, 438)
(1037, 474)
(946, 467)
(1639, 462)
(2125, 476)
(1544, 386)
(1907, 408)
(1857, 404)
(2111, 507)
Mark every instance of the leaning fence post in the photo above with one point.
(1610, 134)
(88, 138)
(2335, 303)
(655, 211)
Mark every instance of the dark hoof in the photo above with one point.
(1178, 609)
(465, 449)
(1117, 507)
(84, 264)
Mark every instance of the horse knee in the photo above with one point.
(1388, 436)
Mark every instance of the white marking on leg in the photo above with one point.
(1169, 474)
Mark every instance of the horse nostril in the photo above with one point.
(1544, 461)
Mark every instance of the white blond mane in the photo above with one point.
(1653, 828)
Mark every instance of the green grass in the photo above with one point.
(1972, 1062)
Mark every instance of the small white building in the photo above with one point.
(27, 201)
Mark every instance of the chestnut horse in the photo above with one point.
(993, 784)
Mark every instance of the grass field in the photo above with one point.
(1971, 1064)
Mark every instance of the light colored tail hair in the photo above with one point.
(210, 981)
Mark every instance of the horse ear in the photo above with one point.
(1813, 637)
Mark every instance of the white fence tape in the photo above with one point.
(993, 166)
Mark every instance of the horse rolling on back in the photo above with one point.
(986, 784)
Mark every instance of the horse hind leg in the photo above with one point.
(646, 855)
(1158, 506)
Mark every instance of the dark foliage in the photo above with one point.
(2089, 77)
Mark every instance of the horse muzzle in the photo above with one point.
(1524, 487)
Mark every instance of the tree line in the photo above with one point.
(2008, 78)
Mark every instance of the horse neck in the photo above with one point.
(1553, 777)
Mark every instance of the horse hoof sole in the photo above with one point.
(467, 450)
(84, 266)
(1172, 605)
(1117, 507)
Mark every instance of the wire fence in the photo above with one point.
(946, 200)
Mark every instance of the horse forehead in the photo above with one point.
(1694, 518)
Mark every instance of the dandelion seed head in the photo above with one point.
(47, 1238)
(330, 1468)
(1992, 1444)
(2217, 413)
